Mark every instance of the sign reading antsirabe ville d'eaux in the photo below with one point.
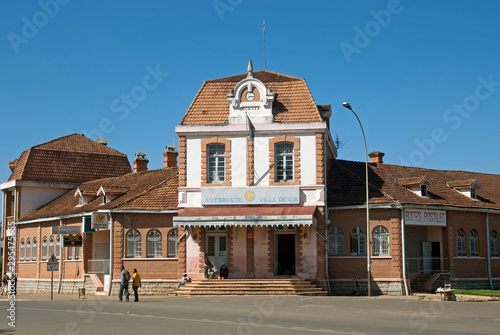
(250, 196)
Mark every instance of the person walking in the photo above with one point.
(136, 283)
(125, 278)
(5, 283)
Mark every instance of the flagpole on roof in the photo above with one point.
(264, 31)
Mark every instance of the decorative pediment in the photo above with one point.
(250, 97)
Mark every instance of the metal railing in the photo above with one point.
(425, 265)
(98, 266)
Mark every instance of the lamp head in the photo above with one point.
(346, 105)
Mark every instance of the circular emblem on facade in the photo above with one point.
(249, 196)
(100, 218)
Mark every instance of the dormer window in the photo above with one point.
(104, 199)
(467, 187)
(80, 201)
(110, 193)
(85, 195)
(417, 185)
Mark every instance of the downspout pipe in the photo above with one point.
(327, 221)
(403, 247)
(15, 231)
(110, 252)
(488, 250)
(61, 241)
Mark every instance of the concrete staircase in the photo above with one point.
(250, 287)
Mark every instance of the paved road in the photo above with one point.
(249, 315)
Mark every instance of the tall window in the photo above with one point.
(216, 163)
(358, 242)
(51, 246)
(21, 250)
(172, 243)
(28, 249)
(380, 241)
(133, 244)
(461, 249)
(44, 248)
(69, 251)
(58, 246)
(34, 250)
(493, 243)
(335, 242)
(284, 161)
(77, 252)
(474, 243)
(154, 243)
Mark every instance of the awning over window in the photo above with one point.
(246, 216)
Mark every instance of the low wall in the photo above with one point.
(349, 288)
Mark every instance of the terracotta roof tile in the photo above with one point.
(149, 190)
(346, 186)
(293, 100)
(73, 158)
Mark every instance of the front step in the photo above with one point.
(250, 287)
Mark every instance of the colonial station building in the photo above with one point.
(259, 188)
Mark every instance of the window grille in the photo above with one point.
(58, 246)
(358, 242)
(51, 246)
(380, 241)
(34, 250)
(493, 243)
(461, 250)
(28, 249)
(44, 248)
(335, 242)
(154, 243)
(21, 250)
(133, 242)
(474, 243)
(216, 163)
(284, 161)
(172, 243)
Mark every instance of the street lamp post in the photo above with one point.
(368, 251)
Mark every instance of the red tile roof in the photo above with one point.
(346, 186)
(73, 158)
(293, 100)
(148, 190)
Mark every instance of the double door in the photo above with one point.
(216, 246)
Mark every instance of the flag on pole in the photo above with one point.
(264, 27)
(250, 128)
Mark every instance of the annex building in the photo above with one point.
(258, 187)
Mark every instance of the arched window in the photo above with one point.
(44, 248)
(461, 248)
(172, 243)
(474, 243)
(21, 250)
(154, 243)
(78, 250)
(216, 163)
(493, 243)
(58, 246)
(335, 242)
(51, 246)
(69, 252)
(284, 161)
(28, 249)
(358, 242)
(133, 242)
(380, 241)
(34, 249)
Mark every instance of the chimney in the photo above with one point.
(140, 162)
(170, 157)
(12, 164)
(102, 141)
(376, 157)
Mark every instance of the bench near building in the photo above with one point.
(258, 187)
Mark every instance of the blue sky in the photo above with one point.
(423, 76)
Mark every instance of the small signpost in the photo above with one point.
(52, 265)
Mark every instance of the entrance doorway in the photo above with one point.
(216, 245)
(285, 253)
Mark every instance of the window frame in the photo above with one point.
(336, 242)
(273, 164)
(461, 243)
(205, 143)
(133, 248)
(474, 243)
(381, 241)
(34, 249)
(494, 252)
(154, 247)
(45, 247)
(172, 246)
(22, 250)
(28, 250)
(359, 248)
(216, 163)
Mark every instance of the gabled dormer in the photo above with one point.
(85, 195)
(250, 97)
(467, 187)
(110, 193)
(417, 185)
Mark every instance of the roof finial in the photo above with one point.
(250, 69)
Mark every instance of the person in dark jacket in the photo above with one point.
(223, 271)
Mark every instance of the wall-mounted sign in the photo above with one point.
(87, 225)
(282, 195)
(52, 263)
(99, 220)
(65, 230)
(425, 217)
(73, 241)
